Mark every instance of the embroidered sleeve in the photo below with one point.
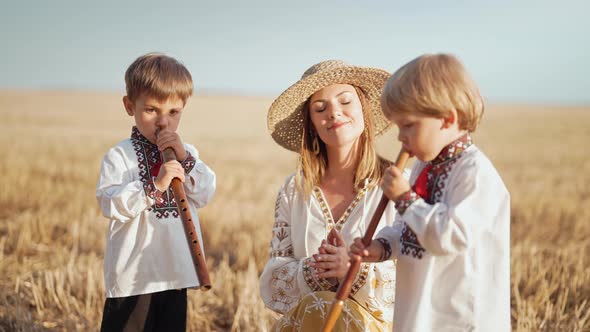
(361, 278)
(119, 196)
(286, 278)
(280, 244)
(477, 201)
(153, 192)
(316, 284)
(392, 235)
(405, 200)
(199, 183)
(322, 284)
(382, 303)
(279, 287)
(279, 290)
(188, 163)
(374, 285)
(386, 253)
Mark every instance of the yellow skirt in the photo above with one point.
(310, 313)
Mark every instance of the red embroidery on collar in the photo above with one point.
(149, 161)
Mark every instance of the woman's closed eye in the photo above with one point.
(319, 108)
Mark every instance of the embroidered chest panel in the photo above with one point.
(330, 223)
(149, 160)
(438, 176)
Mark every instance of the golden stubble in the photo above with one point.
(52, 236)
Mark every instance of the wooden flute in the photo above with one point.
(344, 288)
(189, 228)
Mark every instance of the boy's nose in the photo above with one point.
(400, 136)
(161, 122)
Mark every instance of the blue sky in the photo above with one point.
(518, 51)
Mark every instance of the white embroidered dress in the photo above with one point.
(453, 248)
(146, 249)
(300, 226)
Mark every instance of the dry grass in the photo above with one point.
(52, 236)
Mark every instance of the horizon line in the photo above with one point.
(214, 92)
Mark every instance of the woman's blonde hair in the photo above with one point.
(312, 166)
(434, 85)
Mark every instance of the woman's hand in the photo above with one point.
(332, 260)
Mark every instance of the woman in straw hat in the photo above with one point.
(330, 117)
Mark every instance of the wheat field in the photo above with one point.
(52, 236)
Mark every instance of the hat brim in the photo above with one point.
(285, 115)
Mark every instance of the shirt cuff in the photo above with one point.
(153, 192)
(188, 163)
(361, 279)
(405, 200)
(313, 283)
(386, 254)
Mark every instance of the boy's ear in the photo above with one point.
(129, 107)
(449, 119)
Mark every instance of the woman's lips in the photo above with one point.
(338, 125)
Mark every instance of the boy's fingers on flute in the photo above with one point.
(358, 248)
(176, 170)
(168, 171)
(394, 171)
(354, 257)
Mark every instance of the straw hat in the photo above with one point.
(285, 115)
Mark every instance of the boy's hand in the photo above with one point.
(372, 253)
(393, 183)
(168, 171)
(332, 260)
(170, 139)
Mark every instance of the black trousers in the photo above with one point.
(162, 311)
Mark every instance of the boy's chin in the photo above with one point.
(422, 158)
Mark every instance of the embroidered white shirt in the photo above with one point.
(300, 226)
(146, 248)
(453, 255)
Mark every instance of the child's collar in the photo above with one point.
(454, 149)
(136, 135)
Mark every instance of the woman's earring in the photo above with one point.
(316, 145)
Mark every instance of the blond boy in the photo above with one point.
(147, 265)
(451, 238)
